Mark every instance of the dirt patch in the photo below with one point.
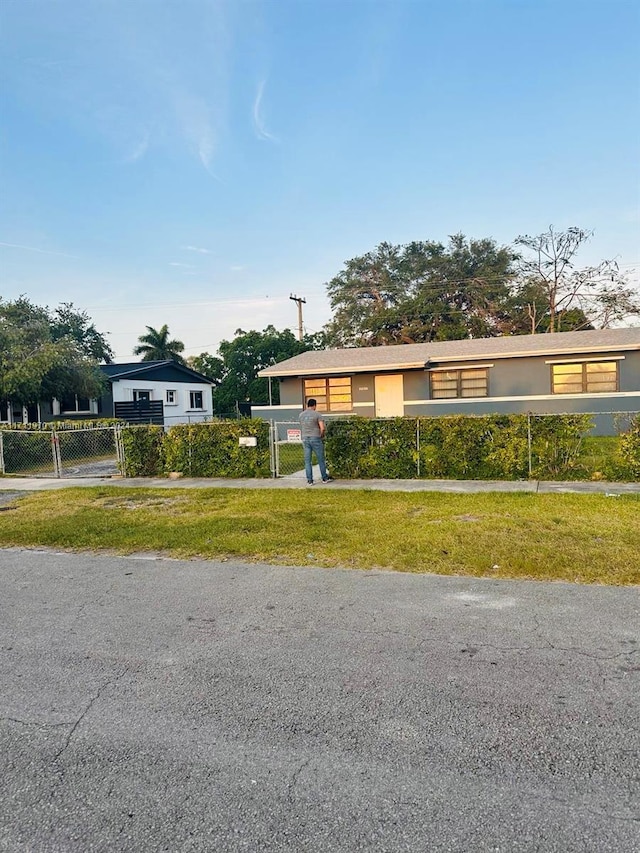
(150, 502)
(7, 499)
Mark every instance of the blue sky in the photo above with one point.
(195, 162)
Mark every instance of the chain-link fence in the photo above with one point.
(93, 452)
(408, 445)
(98, 451)
(287, 446)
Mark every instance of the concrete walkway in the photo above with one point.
(38, 484)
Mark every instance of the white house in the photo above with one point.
(164, 392)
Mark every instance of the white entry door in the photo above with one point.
(389, 396)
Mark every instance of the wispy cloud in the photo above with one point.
(197, 249)
(194, 117)
(35, 249)
(177, 264)
(139, 149)
(258, 118)
(236, 269)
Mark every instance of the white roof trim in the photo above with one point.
(459, 367)
(584, 360)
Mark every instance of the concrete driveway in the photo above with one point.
(152, 705)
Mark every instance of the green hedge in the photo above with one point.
(628, 461)
(487, 447)
(212, 449)
(198, 450)
(142, 446)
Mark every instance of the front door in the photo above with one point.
(389, 396)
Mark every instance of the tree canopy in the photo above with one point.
(559, 295)
(428, 291)
(234, 371)
(46, 354)
(422, 291)
(156, 345)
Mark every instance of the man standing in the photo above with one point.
(312, 433)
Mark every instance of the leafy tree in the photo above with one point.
(209, 365)
(67, 322)
(529, 312)
(422, 291)
(156, 346)
(235, 371)
(39, 360)
(559, 295)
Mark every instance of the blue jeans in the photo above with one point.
(314, 445)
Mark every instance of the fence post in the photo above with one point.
(55, 450)
(117, 438)
(418, 446)
(2, 468)
(529, 453)
(273, 448)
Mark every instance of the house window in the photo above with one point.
(473, 382)
(589, 377)
(73, 403)
(195, 400)
(171, 398)
(331, 395)
(141, 395)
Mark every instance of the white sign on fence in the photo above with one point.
(248, 441)
(294, 435)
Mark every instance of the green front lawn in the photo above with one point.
(583, 538)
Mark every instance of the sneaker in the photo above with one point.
(309, 482)
(327, 479)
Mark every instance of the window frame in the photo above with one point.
(324, 401)
(174, 400)
(76, 410)
(193, 408)
(584, 378)
(459, 383)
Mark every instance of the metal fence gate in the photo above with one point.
(287, 444)
(90, 452)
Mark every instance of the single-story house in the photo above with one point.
(161, 392)
(564, 372)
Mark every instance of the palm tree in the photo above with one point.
(156, 346)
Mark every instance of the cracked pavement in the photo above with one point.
(209, 706)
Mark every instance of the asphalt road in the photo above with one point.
(157, 705)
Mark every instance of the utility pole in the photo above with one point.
(300, 302)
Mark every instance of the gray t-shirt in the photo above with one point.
(309, 424)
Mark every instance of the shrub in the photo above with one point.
(142, 446)
(557, 444)
(457, 446)
(198, 450)
(213, 449)
(629, 451)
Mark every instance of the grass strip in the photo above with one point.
(578, 538)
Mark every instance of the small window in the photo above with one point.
(141, 395)
(331, 395)
(172, 398)
(589, 377)
(195, 400)
(73, 403)
(472, 382)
